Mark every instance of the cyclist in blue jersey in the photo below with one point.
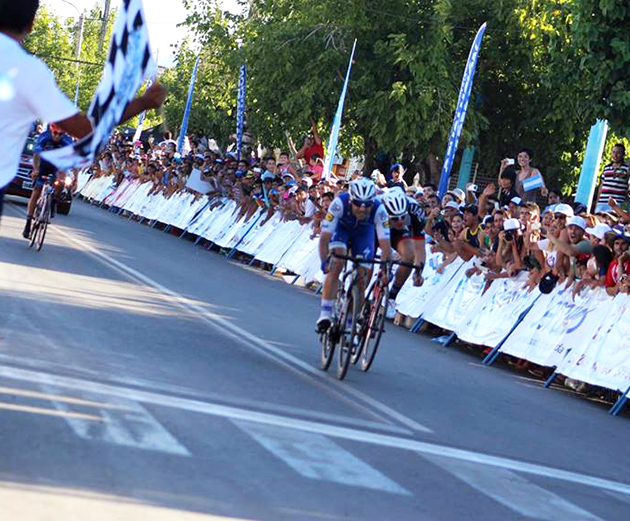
(52, 139)
(354, 219)
(407, 222)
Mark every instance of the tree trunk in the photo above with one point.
(370, 152)
(434, 168)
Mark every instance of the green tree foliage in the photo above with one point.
(53, 40)
(597, 61)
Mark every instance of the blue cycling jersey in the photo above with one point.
(45, 143)
(340, 216)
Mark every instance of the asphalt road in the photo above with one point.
(142, 377)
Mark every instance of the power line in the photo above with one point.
(83, 62)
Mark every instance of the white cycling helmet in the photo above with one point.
(362, 191)
(395, 202)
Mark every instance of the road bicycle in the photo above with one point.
(374, 314)
(41, 216)
(355, 332)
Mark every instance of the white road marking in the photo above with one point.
(361, 436)
(514, 492)
(243, 336)
(125, 423)
(620, 497)
(315, 456)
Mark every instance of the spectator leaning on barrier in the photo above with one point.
(574, 246)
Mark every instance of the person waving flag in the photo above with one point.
(28, 91)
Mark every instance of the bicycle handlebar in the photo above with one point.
(359, 260)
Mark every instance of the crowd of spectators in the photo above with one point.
(289, 186)
(557, 242)
(515, 226)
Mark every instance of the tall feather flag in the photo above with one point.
(191, 92)
(240, 112)
(334, 131)
(460, 111)
(129, 63)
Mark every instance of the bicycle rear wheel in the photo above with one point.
(350, 313)
(375, 328)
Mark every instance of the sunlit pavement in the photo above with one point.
(142, 377)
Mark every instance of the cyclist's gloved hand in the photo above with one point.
(325, 266)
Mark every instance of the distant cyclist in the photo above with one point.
(52, 139)
(407, 222)
(354, 220)
(28, 90)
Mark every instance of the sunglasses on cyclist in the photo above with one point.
(363, 204)
(397, 218)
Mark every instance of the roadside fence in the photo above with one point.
(585, 338)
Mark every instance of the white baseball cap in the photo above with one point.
(599, 230)
(459, 194)
(576, 221)
(564, 209)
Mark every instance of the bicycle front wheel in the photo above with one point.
(375, 328)
(349, 326)
(41, 235)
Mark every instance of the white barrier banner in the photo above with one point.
(531, 334)
(412, 301)
(451, 305)
(496, 312)
(603, 358)
(582, 316)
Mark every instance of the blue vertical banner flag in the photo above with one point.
(460, 111)
(191, 92)
(334, 131)
(240, 112)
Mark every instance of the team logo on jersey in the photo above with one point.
(386, 224)
(329, 217)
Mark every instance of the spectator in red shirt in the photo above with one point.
(312, 145)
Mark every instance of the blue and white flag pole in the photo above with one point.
(191, 92)
(240, 113)
(334, 132)
(460, 111)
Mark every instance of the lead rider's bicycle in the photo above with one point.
(353, 331)
(41, 216)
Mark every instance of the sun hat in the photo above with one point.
(577, 221)
(599, 230)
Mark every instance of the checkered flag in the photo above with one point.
(128, 65)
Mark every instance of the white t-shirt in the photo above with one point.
(27, 92)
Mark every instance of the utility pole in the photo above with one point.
(101, 38)
(79, 37)
(77, 54)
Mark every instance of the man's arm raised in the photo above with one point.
(80, 125)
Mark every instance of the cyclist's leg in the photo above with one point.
(37, 190)
(338, 244)
(405, 250)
